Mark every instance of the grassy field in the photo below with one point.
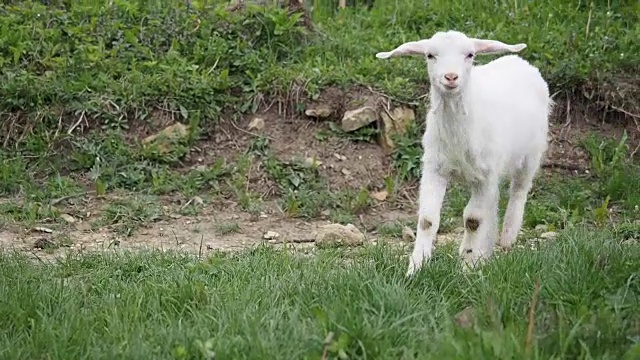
(84, 83)
(271, 304)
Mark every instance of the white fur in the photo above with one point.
(493, 125)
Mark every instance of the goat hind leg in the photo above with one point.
(521, 184)
(480, 224)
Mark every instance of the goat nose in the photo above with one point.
(451, 76)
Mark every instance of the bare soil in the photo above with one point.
(291, 136)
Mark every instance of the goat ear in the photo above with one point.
(495, 47)
(409, 48)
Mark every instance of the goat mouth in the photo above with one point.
(450, 86)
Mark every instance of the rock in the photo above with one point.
(68, 218)
(256, 124)
(407, 234)
(541, 227)
(396, 124)
(346, 172)
(548, 235)
(319, 111)
(165, 139)
(380, 195)
(338, 234)
(358, 118)
(270, 235)
(43, 243)
(312, 162)
(340, 157)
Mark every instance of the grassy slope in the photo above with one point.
(269, 304)
(116, 66)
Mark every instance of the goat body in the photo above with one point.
(485, 123)
(491, 129)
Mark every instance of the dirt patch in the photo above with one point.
(345, 164)
(214, 231)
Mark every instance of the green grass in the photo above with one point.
(114, 63)
(269, 304)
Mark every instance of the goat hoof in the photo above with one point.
(415, 263)
(506, 248)
(413, 269)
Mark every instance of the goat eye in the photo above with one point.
(470, 56)
(430, 56)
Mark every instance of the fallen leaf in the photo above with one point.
(256, 124)
(380, 195)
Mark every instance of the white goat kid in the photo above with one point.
(485, 123)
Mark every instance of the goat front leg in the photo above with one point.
(480, 223)
(433, 186)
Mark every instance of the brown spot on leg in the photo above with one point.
(472, 224)
(425, 224)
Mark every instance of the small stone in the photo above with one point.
(198, 200)
(68, 218)
(541, 227)
(340, 157)
(407, 234)
(312, 161)
(338, 234)
(43, 229)
(319, 111)
(394, 123)
(346, 172)
(548, 235)
(176, 130)
(256, 124)
(380, 195)
(166, 139)
(358, 118)
(43, 243)
(270, 235)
